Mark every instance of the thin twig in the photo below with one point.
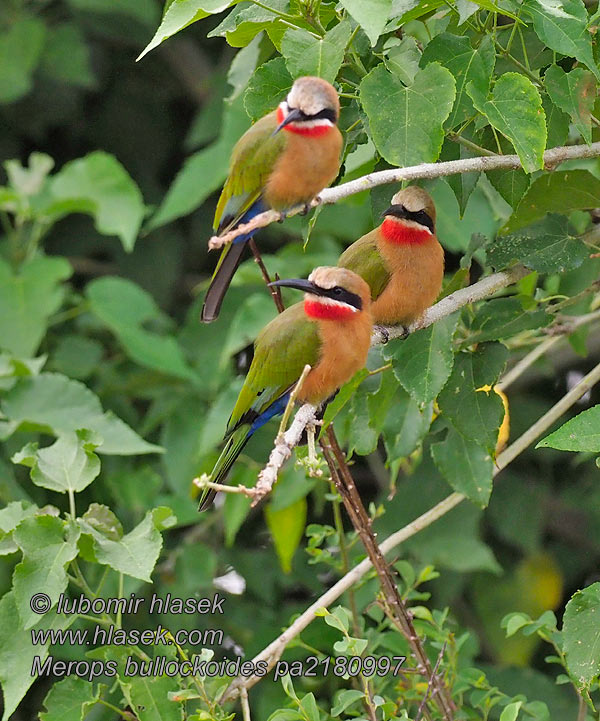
(428, 691)
(203, 482)
(273, 651)
(396, 175)
(273, 289)
(245, 705)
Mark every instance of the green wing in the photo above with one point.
(281, 351)
(364, 258)
(252, 161)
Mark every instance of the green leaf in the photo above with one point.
(147, 694)
(504, 317)
(338, 618)
(581, 433)
(125, 308)
(371, 15)
(547, 194)
(10, 518)
(106, 191)
(557, 123)
(562, 26)
(406, 424)
(511, 711)
(48, 545)
(66, 56)
(135, 554)
(575, 93)
(17, 650)
(70, 699)
(21, 46)
(423, 361)
(344, 395)
(475, 414)
(245, 21)
(515, 109)
(203, 172)
(511, 184)
(69, 464)
(466, 64)
(466, 465)
(267, 88)
(345, 699)
(547, 246)
(104, 521)
(308, 707)
(402, 58)
(287, 529)
(581, 634)
(307, 55)
(179, 15)
(53, 403)
(28, 298)
(406, 122)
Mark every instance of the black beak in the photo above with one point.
(399, 211)
(299, 284)
(294, 114)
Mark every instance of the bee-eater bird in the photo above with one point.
(401, 260)
(330, 331)
(283, 160)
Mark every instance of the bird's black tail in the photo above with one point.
(231, 257)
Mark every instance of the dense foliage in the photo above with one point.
(113, 397)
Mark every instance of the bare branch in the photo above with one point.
(415, 172)
(274, 650)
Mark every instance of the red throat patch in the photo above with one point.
(314, 132)
(327, 311)
(395, 231)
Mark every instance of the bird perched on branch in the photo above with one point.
(283, 160)
(330, 331)
(401, 260)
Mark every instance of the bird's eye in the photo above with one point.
(337, 290)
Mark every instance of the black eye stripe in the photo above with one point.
(345, 296)
(326, 114)
(418, 216)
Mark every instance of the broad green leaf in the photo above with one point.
(309, 708)
(293, 483)
(547, 195)
(338, 618)
(466, 465)
(515, 109)
(69, 464)
(475, 414)
(66, 56)
(104, 521)
(125, 308)
(305, 54)
(10, 517)
(267, 88)
(21, 46)
(136, 553)
(70, 699)
(402, 58)
(581, 633)
(575, 93)
(203, 172)
(106, 191)
(362, 437)
(557, 123)
(344, 699)
(287, 529)
(511, 711)
(406, 122)
(371, 15)
(48, 545)
(147, 694)
(28, 298)
(17, 650)
(245, 21)
(581, 433)
(77, 356)
(180, 14)
(511, 184)
(504, 317)
(405, 425)
(562, 26)
(242, 67)
(53, 403)
(344, 395)
(546, 246)
(423, 361)
(466, 64)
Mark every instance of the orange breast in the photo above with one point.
(307, 165)
(345, 346)
(417, 271)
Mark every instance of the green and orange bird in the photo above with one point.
(401, 260)
(283, 160)
(330, 330)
